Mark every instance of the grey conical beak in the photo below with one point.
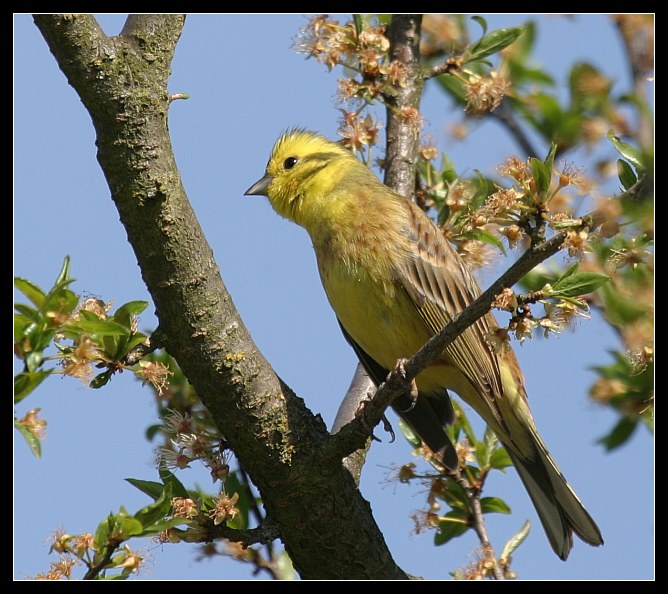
(259, 188)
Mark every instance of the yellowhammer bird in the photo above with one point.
(394, 281)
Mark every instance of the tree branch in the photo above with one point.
(403, 137)
(265, 533)
(505, 116)
(473, 495)
(360, 388)
(326, 526)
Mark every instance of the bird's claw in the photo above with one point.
(399, 374)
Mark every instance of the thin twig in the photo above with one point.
(255, 508)
(265, 533)
(506, 117)
(94, 571)
(478, 520)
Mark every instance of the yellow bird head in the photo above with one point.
(303, 169)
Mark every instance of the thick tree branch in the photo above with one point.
(403, 133)
(325, 524)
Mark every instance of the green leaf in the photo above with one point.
(626, 174)
(631, 154)
(31, 439)
(167, 477)
(569, 272)
(100, 380)
(151, 488)
(409, 434)
(549, 160)
(486, 237)
(104, 528)
(579, 283)
(359, 23)
(484, 448)
(541, 175)
(31, 291)
(152, 431)
(494, 505)
(620, 433)
(125, 312)
(482, 22)
(492, 43)
(161, 525)
(29, 314)
(453, 524)
(129, 527)
(33, 360)
(89, 323)
(64, 274)
(455, 496)
(26, 381)
(500, 459)
(516, 540)
(150, 514)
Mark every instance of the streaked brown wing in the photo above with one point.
(440, 286)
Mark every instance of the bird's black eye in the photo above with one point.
(289, 163)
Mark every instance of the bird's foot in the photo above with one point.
(398, 374)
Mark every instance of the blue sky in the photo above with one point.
(246, 87)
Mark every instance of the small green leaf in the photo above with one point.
(620, 433)
(570, 271)
(453, 524)
(26, 381)
(541, 175)
(482, 22)
(31, 439)
(489, 238)
(500, 459)
(161, 525)
(102, 379)
(64, 274)
(549, 160)
(631, 154)
(33, 360)
(167, 477)
(152, 431)
(579, 283)
(149, 514)
(409, 434)
(492, 43)
(31, 291)
(104, 528)
(627, 176)
(359, 23)
(130, 527)
(126, 311)
(151, 488)
(89, 323)
(494, 505)
(29, 313)
(484, 448)
(516, 540)
(455, 496)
